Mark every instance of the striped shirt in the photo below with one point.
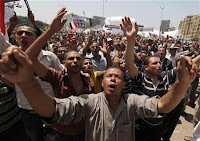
(143, 85)
(10, 113)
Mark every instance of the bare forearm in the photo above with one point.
(85, 48)
(41, 102)
(116, 59)
(129, 59)
(172, 98)
(108, 60)
(35, 48)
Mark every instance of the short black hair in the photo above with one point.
(146, 61)
(114, 67)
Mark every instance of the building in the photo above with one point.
(190, 27)
(164, 25)
(80, 20)
(97, 21)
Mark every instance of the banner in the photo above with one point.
(2, 24)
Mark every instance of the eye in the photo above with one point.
(71, 58)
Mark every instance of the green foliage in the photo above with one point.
(26, 21)
(195, 39)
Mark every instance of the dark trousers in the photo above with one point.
(145, 132)
(33, 126)
(53, 135)
(14, 133)
(171, 120)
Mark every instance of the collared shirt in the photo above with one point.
(63, 88)
(102, 124)
(50, 60)
(98, 65)
(143, 85)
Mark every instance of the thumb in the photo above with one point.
(182, 61)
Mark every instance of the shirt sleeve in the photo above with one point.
(56, 62)
(68, 110)
(144, 106)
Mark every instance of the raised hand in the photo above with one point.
(58, 22)
(187, 70)
(15, 66)
(105, 49)
(31, 16)
(129, 30)
(14, 20)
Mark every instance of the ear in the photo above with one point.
(146, 67)
(102, 82)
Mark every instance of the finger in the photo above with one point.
(194, 68)
(63, 22)
(136, 27)
(63, 9)
(182, 61)
(22, 58)
(126, 21)
(189, 60)
(129, 21)
(9, 60)
(59, 16)
(4, 68)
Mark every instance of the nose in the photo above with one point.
(23, 34)
(113, 78)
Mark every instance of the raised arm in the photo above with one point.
(186, 74)
(88, 42)
(57, 24)
(131, 33)
(16, 67)
(35, 48)
(106, 51)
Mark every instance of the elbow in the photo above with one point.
(163, 108)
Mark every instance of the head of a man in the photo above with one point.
(153, 66)
(73, 62)
(172, 51)
(94, 48)
(162, 53)
(87, 66)
(25, 36)
(113, 82)
(143, 53)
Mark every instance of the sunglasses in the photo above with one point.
(20, 33)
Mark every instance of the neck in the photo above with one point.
(74, 75)
(113, 101)
(162, 58)
(153, 77)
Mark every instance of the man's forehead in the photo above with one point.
(87, 60)
(114, 71)
(73, 54)
(25, 28)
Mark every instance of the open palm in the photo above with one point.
(129, 30)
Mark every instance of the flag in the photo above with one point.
(73, 24)
(2, 24)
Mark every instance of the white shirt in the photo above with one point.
(50, 60)
(98, 65)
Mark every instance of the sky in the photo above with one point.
(145, 12)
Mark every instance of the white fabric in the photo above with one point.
(196, 133)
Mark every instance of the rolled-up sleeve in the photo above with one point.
(68, 110)
(144, 106)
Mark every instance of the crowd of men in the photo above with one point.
(95, 86)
